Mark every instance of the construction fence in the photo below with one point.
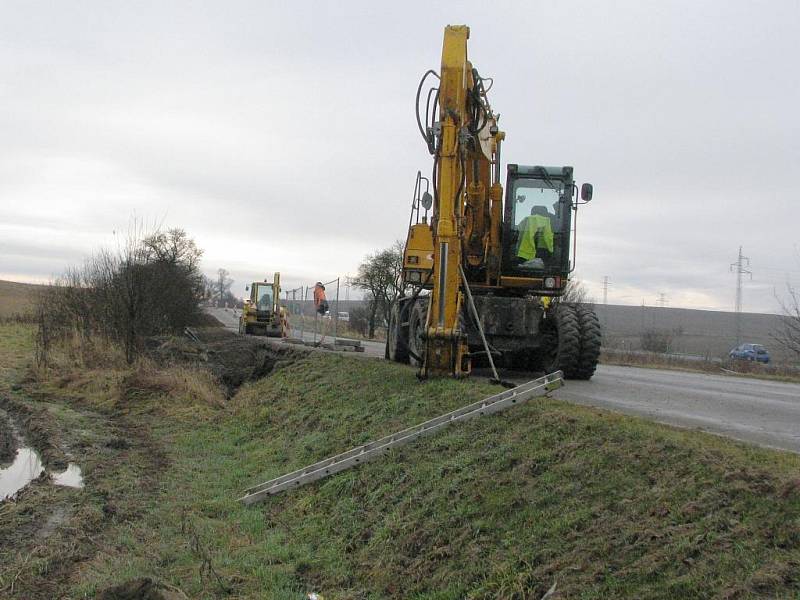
(305, 320)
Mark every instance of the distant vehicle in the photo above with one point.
(753, 352)
(343, 316)
(262, 313)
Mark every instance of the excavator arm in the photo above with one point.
(467, 211)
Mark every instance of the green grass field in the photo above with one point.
(605, 506)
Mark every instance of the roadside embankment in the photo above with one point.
(603, 505)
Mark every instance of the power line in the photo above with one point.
(739, 268)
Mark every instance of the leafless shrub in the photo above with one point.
(654, 340)
(150, 285)
(789, 333)
(576, 293)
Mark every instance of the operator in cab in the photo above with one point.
(264, 299)
(536, 237)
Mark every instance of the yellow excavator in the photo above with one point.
(262, 313)
(484, 270)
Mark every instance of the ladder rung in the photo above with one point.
(366, 452)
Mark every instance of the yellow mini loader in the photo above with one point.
(262, 313)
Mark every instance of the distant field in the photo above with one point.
(16, 298)
(697, 332)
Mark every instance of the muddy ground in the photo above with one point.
(8, 441)
(47, 532)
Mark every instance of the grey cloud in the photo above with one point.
(288, 129)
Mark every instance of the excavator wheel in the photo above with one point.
(591, 338)
(417, 316)
(397, 334)
(562, 341)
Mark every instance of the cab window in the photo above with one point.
(537, 222)
(264, 297)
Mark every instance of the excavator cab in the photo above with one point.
(537, 224)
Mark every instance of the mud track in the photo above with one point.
(49, 534)
(46, 531)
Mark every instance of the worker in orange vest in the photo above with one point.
(321, 308)
(320, 301)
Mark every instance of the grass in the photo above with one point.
(16, 347)
(16, 299)
(605, 505)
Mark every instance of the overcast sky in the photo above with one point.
(281, 135)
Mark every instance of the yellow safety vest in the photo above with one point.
(529, 227)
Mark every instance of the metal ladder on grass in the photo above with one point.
(366, 452)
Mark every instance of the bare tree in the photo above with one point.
(789, 333)
(223, 288)
(576, 293)
(379, 275)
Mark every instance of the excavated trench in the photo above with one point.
(233, 359)
(28, 450)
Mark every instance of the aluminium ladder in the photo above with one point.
(372, 450)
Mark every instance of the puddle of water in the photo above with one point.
(27, 466)
(72, 477)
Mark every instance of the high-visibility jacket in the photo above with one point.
(319, 296)
(536, 232)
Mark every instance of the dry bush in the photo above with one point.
(657, 341)
(177, 391)
(789, 333)
(150, 286)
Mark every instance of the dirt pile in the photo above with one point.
(233, 359)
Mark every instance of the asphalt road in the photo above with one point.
(752, 410)
(762, 412)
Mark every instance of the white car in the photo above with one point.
(343, 316)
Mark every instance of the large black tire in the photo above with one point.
(561, 344)
(397, 333)
(417, 316)
(591, 339)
